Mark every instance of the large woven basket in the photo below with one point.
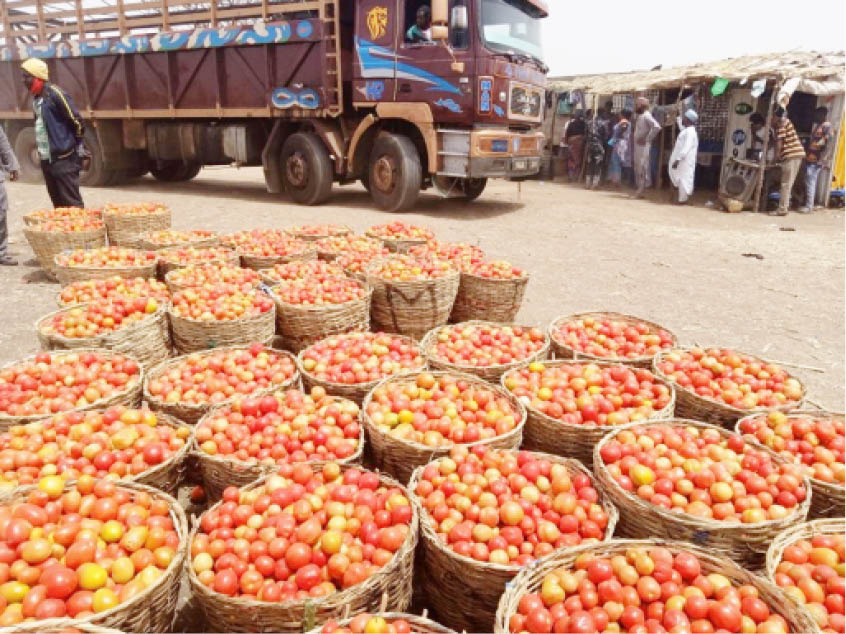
(488, 299)
(126, 230)
(401, 457)
(490, 373)
(130, 396)
(563, 351)
(154, 609)
(353, 391)
(193, 335)
(744, 543)
(219, 472)
(462, 591)
(192, 412)
(301, 326)
(144, 242)
(235, 614)
(690, 405)
(147, 340)
(266, 261)
(412, 308)
(544, 433)
(69, 274)
(829, 498)
(48, 244)
(167, 265)
(790, 536)
(531, 577)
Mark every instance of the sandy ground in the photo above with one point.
(681, 267)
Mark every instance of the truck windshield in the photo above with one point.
(509, 26)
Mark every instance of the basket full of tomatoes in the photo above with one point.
(51, 237)
(330, 566)
(126, 223)
(399, 237)
(167, 238)
(104, 262)
(131, 326)
(191, 255)
(490, 290)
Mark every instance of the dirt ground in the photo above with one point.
(682, 267)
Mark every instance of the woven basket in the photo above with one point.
(563, 351)
(130, 396)
(192, 412)
(490, 373)
(147, 340)
(59, 213)
(353, 391)
(419, 624)
(690, 405)
(412, 308)
(154, 609)
(487, 299)
(232, 614)
(398, 245)
(531, 577)
(463, 592)
(219, 472)
(266, 261)
(301, 326)
(401, 457)
(126, 230)
(144, 242)
(57, 626)
(795, 533)
(828, 499)
(166, 266)
(544, 433)
(744, 543)
(68, 274)
(193, 335)
(48, 244)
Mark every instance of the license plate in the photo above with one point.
(520, 165)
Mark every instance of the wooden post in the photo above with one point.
(759, 186)
(165, 16)
(660, 178)
(80, 21)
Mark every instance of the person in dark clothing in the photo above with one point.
(597, 138)
(574, 141)
(58, 135)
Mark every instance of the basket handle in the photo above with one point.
(389, 295)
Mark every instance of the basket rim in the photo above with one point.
(145, 235)
(428, 341)
(369, 384)
(523, 278)
(309, 248)
(407, 376)
(450, 275)
(305, 309)
(791, 535)
(409, 543)
(271, 282)
(33, 230)
(413, 619)
(98, 404)
(829, 486)
(562, 319)
(230, 462)
(180, 524)
(134, 267)
(799, 512)
(144, 322)
(160, 368)
(215, 265)
(109, 210)
(343, 230)
(429, 534)
(216, 322)
(730, 409)
(164, 251)
(658, 416)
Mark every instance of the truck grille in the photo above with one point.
(526, 102)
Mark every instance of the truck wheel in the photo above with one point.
(306, 169)
(395, 174)
(27, 153)
(174, 171)
(96, 175)
(473, 188)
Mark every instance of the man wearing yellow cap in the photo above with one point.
(58, 135)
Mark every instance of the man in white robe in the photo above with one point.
(683, 158)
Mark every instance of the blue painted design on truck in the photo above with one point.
(380, 62)
(449, 104)
(284, 98)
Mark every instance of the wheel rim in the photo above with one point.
(84, 172)
(296, 170)
(384, 174)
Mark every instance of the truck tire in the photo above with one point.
(306, 169)
(174, 171)
(395, 174)
(27, 153)
(96, 175)
(473, 188)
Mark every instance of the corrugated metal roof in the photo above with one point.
(811, 67)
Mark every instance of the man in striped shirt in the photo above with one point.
(790, 152)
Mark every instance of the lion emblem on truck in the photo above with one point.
(377, 22)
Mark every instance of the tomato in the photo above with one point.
(60, 581)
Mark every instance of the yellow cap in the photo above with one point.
(36, 68)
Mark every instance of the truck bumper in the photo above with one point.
(504, 167)
(502, 153)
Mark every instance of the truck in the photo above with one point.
(316, 92)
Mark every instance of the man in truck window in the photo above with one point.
(8, 165)
(421, 30)
(58, 135)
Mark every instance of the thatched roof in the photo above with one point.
(817, 73)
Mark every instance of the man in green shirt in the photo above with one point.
(421, 31)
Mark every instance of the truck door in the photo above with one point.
(425, 71)
(375, 53)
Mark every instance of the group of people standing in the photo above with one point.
(619, 147)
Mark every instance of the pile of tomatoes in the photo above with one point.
(495, 270)
(212, 276)
(97, 318)
(84, 291)
(612, 338)
(333, 246)
(134, 209)
(174, 237)
(462, 255)
(73, 224)
(485, 345)
(399, 230)
(319, 292)
(188, 255)
(406, 268)
(106, 257)
(301, 270)
(64, 213)
(219, 303)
